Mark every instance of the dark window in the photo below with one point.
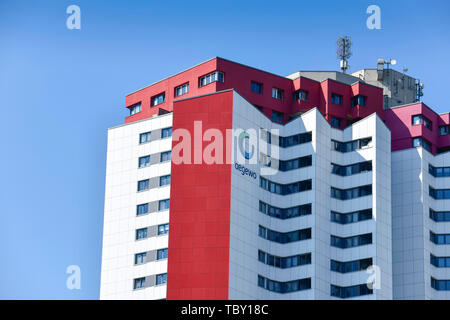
(284, 287)
(164, 204)
(349, 292)
(257, 87)
(139, 283)
(180, 90)
(163, 229)
(284, 262)
(350, 266)
(287, 237)
(439, 194)
(161, 278)
(440, 262)
(295, 139)
(443, 130)
(166, 133)
(336, 99)
(164, 180)
(420, 142)
(143, 185)
(439, 239)
(285, 213)
(160, 98)
(440, 285)
(301, 95)
(359, 101)
(277, 116)
(336, 122)
(144, 137)
(212, 77)
(277, 93)
(139, 258)
(439, 172)
(135, 108)
(419, 119)
(351, 169)
(144, 161)
(141, 233)
(350, 242)
(352, 193)
(162, 254)
(287, 165)
(142, 209)
(166, 156)
(439, 216)
(351, 217)
(285, 189)
(350, 145)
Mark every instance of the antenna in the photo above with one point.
(344, 52)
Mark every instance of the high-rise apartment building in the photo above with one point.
(228, 182)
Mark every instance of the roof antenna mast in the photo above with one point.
(344, 52)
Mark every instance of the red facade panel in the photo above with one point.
(199, 237)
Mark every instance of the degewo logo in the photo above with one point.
(244, 144)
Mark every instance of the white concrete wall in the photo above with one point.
(120, 220)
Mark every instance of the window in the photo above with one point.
(180, 90)
(144, 137)
(284, 287)
(139, 258)
(161, 278)
(440, 285)
(439, 239)
(419, 142)
(301, 95)
(287, 165)
(277, 93)
(439, 194)
(287, 237)
(349, 292)
(440, 262)
(164, 204)
(144, 161)
(439, 172)
(352, 193)
(257, 87)
(286, 213)
(350, 145)
(135, 108)
(336, 99)
(285, 189)
(419, 119)
(443, 130)
(160, 98)
(142, 209)
(350, 266)
(359, 101)
(141, 233)
(139, 283)
(163, 229)
(295, 139)
(166, 156)
(439, 216)
(162, 254)
(284, 262)
(351, 217)
(166, 133)
(143, 185)
(352, 169)
(350, 242)
(212, 77)
(164, 180)
(277, 116)
(336, 122)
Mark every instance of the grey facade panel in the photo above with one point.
(150, 281)
(153, 206)
(154, 182)
(151, 256)
(155, 158)
(155, 135)
(152, 231)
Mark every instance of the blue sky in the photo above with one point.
(61, 89)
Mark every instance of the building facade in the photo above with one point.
(274, 188)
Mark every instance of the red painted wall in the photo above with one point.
(239, 77)
(199, 237)
(399, 120)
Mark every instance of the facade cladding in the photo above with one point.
(349, 195)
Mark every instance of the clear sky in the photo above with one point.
(61, 89)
